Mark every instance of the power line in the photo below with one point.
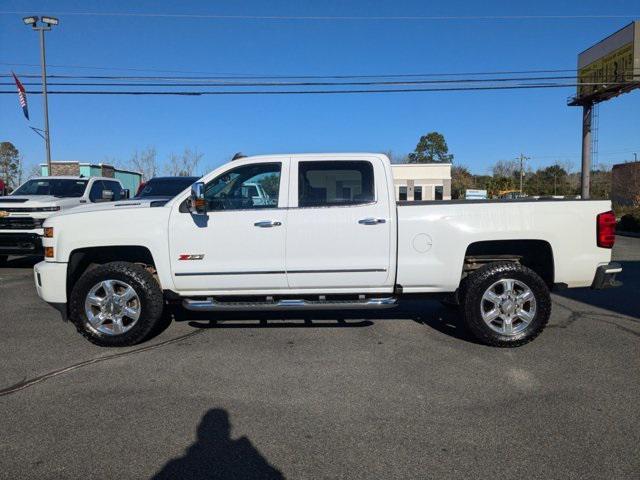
(307, 84)
(331, 17)
(282, 84)
(296, 92)
(218, 75)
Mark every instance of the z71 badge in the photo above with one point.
(186, 256)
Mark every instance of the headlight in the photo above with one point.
(46, 209)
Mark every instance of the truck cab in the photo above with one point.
(23, 213)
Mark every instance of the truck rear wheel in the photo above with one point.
(116, 304)
(505, 304)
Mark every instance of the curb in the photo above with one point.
(628, 234)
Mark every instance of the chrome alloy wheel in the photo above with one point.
(112, 307)
(508, 306)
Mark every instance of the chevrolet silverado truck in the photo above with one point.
(24, 211)
(331, 237)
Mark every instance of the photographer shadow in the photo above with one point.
(215, 455)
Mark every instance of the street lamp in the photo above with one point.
(47, 23)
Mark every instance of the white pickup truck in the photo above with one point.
(332, 237)
(23, 213)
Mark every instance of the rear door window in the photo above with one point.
(335, 183)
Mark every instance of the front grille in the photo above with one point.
(20, 223)
(20, 243)
(19, 209)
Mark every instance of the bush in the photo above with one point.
(630, 222)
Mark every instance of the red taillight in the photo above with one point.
(606, 229)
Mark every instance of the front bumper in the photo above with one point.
(51, 284)
(20, 244)
(606, 276)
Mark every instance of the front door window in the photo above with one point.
(245, 188)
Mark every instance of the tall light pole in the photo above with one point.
(47, 23)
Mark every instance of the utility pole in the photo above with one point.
(47, 22)
(522, 160)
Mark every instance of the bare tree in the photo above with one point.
(184, 165)
(173, 166)
(506, 168)
(34, 171)
(145, 162)
(566, 164)
(397, 158)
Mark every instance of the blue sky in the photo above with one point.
(480, 127)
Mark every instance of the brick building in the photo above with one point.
(129, 179)
(625, 184)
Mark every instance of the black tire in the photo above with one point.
(3, 260)
(149, 293)
(476, 284)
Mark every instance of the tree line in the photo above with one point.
(553, 180)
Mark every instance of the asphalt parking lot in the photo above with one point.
(401, 394)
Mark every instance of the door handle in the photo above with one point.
(371, 221)
(267, 224)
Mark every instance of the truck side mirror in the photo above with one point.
(126, 193)
(107, 196)
(197, 203)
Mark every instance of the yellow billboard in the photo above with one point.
(610, 66)
(616, 67)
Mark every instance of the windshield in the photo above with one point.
(58, 187)
(165, 187)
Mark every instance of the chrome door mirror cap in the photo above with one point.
(197, 203)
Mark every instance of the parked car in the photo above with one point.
(332, 237)
(159, 188)
(23, 212)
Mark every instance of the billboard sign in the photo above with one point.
(611, 66)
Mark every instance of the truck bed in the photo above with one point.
(435, 236)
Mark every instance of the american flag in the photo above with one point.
(22, 95)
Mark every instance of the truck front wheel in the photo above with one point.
(116, 304)
(505, 304)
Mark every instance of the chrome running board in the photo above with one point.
(211, 305)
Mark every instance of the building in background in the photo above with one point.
(130, 180)
(625, 184)
(422, 181)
